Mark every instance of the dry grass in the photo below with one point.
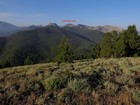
(100, 81)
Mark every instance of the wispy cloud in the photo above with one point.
(10, 15)
(38, 15)
(4, 14)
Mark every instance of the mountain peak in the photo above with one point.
(108, 28)
(68, 25)
(4, 24)
(7, 27)
(53, 24)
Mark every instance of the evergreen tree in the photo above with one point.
(107, 45)
(128, 43)
(64, 51)
(28, 61)
(132, 37)
(95, 53)
(138, 47)
(120, 45)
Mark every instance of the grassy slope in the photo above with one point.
(96, 82)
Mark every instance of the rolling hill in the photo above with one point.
(86, 82)
(41, 42)
(84, 31)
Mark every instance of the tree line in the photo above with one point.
(114, 44)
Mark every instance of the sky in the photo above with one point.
(89, 12)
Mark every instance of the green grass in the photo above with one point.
(100, 81)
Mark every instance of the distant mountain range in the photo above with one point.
(39, 43)
(106, 28)
(7, 29)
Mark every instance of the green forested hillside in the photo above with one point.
(40, 44)
(92, 35)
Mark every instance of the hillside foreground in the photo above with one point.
(85, 82)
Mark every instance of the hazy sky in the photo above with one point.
(90, 12)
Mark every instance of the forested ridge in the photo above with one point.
(54, 44)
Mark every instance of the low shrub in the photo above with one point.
(53, 82)
(78, 85)
(65, 96)
(136, 96)
(110, 88)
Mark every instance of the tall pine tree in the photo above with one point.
(128, 43)
(64, 51)
(107, 44)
